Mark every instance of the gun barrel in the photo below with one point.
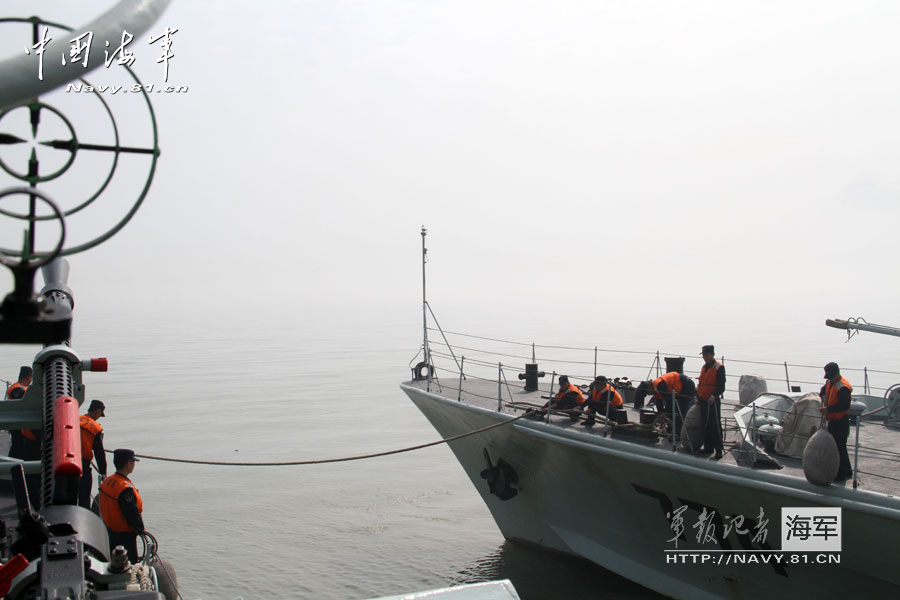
(862, 326)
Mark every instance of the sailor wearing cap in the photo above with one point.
(710, 388)
(121, 505)
(836, 397)
(603, 395)
(25, 444)
(91, 446)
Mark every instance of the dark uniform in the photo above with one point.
(16, 391)
(602, 394)
(685, 392)
(836, 394)
(91, 447)
(569, 396)
(711, 384)
(121, 506)
(25, 444)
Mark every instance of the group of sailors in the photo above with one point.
(673, 394)
(670, 393)
(119, 505)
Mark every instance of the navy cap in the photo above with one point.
(25, 372)
(123, 455)
(95, 405)
(710, 349)
(832, 369)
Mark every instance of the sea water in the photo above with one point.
(270, 386)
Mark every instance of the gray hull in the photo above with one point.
(610, 501)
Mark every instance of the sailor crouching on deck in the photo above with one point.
(836, 397)
(121, 505)
(91, 446)
(710, 388)
(602, 393)
(568, 396)
(662, 389)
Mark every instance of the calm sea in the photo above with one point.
(281, 387)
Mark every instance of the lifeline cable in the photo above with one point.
(328, 460)
(156, 561)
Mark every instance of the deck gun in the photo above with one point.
(59, 549)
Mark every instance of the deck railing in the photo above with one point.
(582, 364)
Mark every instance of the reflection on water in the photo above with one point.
(538, 573)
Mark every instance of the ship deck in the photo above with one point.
(879, 446)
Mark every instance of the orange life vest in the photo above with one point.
(831, 395)
(15, 386)
(706, 386)
(572, 388)
(89, 429)
(110, 490)
(673, 380)
(598, 394)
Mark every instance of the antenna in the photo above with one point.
(425, 349)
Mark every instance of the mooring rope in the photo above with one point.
(328, 460)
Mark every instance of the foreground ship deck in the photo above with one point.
(618, 502)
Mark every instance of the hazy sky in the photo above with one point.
(565, 156)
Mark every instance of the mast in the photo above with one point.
(425, 305)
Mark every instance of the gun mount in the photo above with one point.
(59, 549)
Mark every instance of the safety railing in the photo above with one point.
(585, 363)
(482, 358)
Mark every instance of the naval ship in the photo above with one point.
(626, 496)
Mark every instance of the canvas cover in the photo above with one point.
(751, 386)
(800, 423)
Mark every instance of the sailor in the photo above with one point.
(710, 388)
(568, 396)
(19, 438)
(17, 390)
(121, 505)
(91, 446)
(836, 397)
(25, 444)
(602, 393)
(663, 388)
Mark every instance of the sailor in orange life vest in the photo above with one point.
(601, 395)
(121, 505)
(568, 396)
(662, 388)
(17, 390)
(25, 444)
(836, 397)
(709, 397)
(91, 446)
